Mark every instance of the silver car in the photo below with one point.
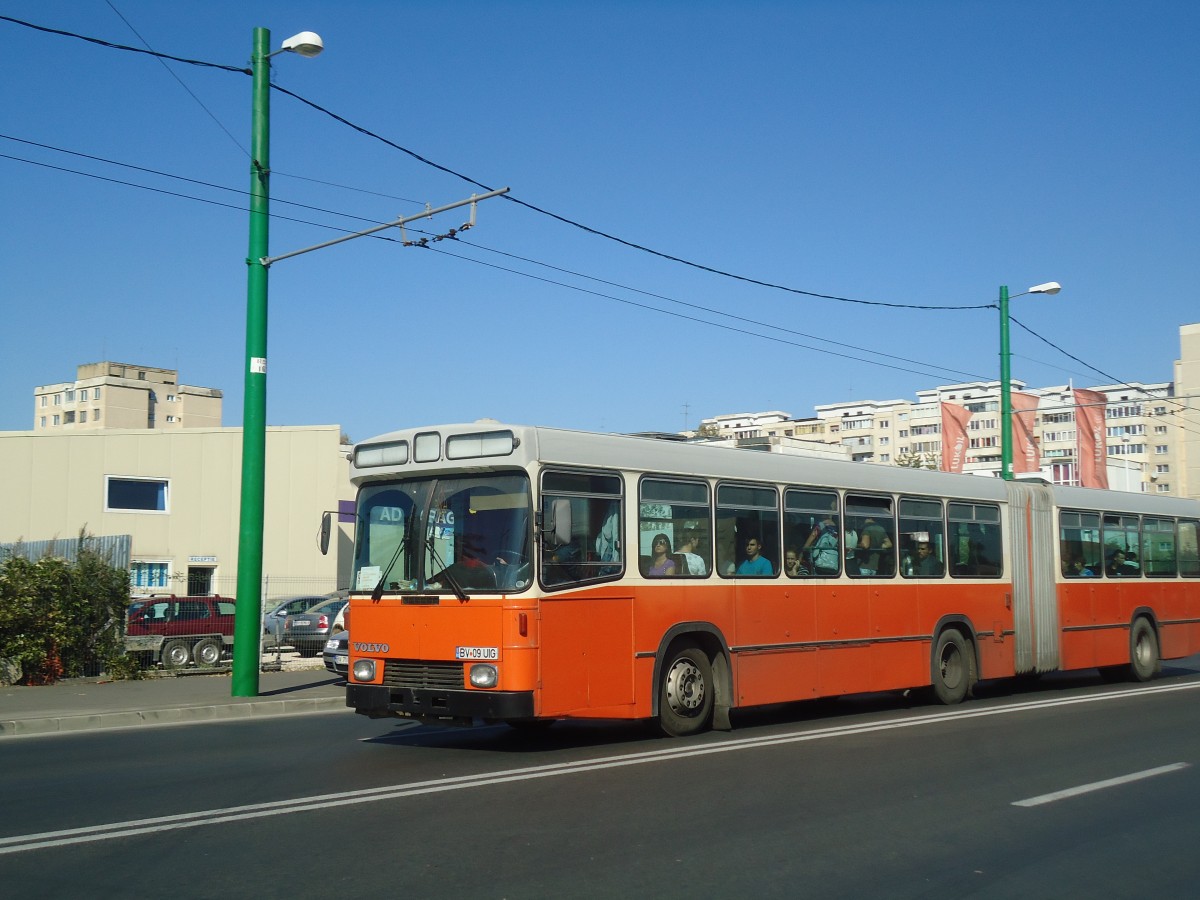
(308, 631)
(284, 607)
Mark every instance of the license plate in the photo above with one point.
(341, 660)
(296, 622)
(477, 653)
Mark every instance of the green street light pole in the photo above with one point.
(1006, 438)
(1006, 471)
(247, 635)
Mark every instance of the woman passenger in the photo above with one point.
(661, 564)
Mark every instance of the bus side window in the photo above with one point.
(976, 543)
(748, 531)
(581, 527)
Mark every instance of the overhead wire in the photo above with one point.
(927, 372)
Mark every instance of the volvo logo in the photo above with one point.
(370, 648)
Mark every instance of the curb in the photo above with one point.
(171, 716)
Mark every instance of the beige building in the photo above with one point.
(177, 493)
(110, 395)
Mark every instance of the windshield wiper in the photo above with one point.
(451, 581)
(378, 592)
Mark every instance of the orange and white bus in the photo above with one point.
(526, 574)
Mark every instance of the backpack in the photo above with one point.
(825, 551)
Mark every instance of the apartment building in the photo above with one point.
(1149, 428)
(111, 395)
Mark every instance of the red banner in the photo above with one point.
(1025, 453)
(954, 436)
(1089, 428)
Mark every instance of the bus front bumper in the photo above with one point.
(379, 701)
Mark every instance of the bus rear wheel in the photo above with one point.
(1144, 663)
(953, 667)
(685, 695)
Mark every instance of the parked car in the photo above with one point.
(337, 653)
(308, 631)
(284, 607)
(177, 631)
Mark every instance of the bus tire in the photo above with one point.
(1144, 662)
(207, 652)
(953, 667)
(176, 654)
(685, 695)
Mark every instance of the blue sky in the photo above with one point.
(913, 153)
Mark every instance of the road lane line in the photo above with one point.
(1100, 785)
(70, 836)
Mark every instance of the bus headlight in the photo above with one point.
(484, 676)
(364, 670)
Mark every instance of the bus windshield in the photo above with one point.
(460, 534)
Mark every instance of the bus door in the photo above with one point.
(1034, 598)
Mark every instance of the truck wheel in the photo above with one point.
(208, 652)
(176, 654)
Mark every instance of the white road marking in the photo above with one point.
(27, 842)
(1100, 785)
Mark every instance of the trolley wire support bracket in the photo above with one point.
(427, 213)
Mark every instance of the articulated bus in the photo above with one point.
(524, 574)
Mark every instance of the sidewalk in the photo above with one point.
(85, 704)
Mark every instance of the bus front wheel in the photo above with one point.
(953, 667)
(685, 695)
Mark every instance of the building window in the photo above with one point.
(70, 396)
(43, 398)
(58, 399)
(69, 418)
(1163, 488)
(95, 415)
(172, 419)
(1160, 410)
(95, 393)
(885, 457)
(42, 422)
(83, 417)
(135, 494)
(1162, 468)
(171, 398)
(148, 574)
(57, 419)
(141, 376)
(1160, 449)
(1160, 429)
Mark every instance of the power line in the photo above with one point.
(171, 72)
(708, 310)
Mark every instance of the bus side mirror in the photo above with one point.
(556, 522)
(326, 527)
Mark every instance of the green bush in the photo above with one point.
(59, 617)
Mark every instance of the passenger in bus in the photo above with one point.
(821, 547)
(873, 540)
(1077, 568)
(661, 564)
(1117, 567)
(755, 563)
(928, 565)
(693, 563)
(792, 567)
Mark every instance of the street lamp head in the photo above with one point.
(306, 43)
(1050, 287)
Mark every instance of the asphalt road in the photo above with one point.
(1066, 788)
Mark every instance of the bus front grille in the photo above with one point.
(410, 673)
